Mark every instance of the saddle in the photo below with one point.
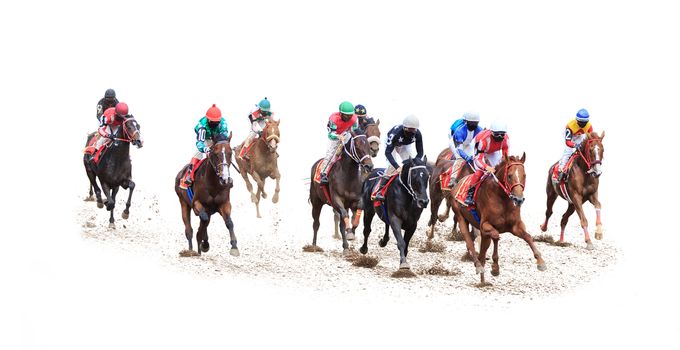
(183, 184)
(555, 169)
(384, 189)
(465, 184)
(319, 167)
(92, 150)
(451, 172)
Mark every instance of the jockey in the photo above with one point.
(259, 118)
(491, 146)
(109, 100)
(400, 141)
(463, 132)
(340, 124)
(574, 134)
(364, 120)
(111, 120)
(206, 129)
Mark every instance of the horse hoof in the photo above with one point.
(264, 195)
(234, 252)
(112, 226)
(100, 205)
(363, 250)
(350, 236)
(404, 266)
(442, 218)
(495, 271)
(544, 228)
(275, 199)
(89, 199)
(541, 267)
(205, 246)
(382, 243)
(589, 246)
(599, 232)
(126, 215)
(346, 252)
(479, 269)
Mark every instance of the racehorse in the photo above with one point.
(372, 131)
(344, 188)
(404, 202)
(263, 163)
(209, 194)
(499, 198)
(581, 185)
(114, 168)
(437, 194)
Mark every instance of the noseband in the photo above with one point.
(507, 188)
(352, 152)
(586, 156)
(407, 185)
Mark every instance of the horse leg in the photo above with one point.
(386, 237)
(225, 211)
(336, 220)
(131, 187)
(202, 234)
(552, 196)
(495, 268)
(578, 204)
(488, 233)
(90, 197)
(598, 222)
(436, 200)
(93, 184)
(368, 219)
(565, 219)
(259, 193)
(277, 177)
(469, 244)
(395, 223)
(348, 225)
(186, 218)
(520, 231)
(316, 211)
(249, 186)
(112, 202)
(107, 193)
(407, 238)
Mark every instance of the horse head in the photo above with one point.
(131, 131)
(593, 151)
(359, 150)
(220, 159)
(373, 136)
(271, 135)
(512, 178)
(415, 175)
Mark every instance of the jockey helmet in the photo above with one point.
(264, 105)
(346, 108)
(360, 110)
(471, 117)
(110, 94)
(122, 109)
(214, 114)
(582, 115)
(411, 121)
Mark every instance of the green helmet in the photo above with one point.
(346, 108)
(264, 105)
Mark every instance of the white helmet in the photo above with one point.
(498, 127)
(411, 121)
(471, 117)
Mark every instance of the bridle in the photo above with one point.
(507, 187)
(407, 185)
(586, 156)
(224, 163)
(267, 138)
(352, 152)
(126, 136)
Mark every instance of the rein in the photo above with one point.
(586, 159)
(408, 186)
(127, 138)
(504, 184)
(215, 167)
(352, 153)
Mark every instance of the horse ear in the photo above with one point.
(602, 137)
(524, 156)
(377, 122)
(229, 138)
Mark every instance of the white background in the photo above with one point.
(530, 64)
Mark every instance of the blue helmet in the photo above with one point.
(582, 115)
(360, 110)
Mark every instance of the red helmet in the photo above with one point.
(214, 114)
(122, 109)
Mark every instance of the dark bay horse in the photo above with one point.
(344, 187)
(114, 169)
(498, 203)
(581, 185)
(263, 163)
(372, 131)
(405, 200)
(212, 183)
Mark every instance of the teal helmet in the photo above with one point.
(264, 105)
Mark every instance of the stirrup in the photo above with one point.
(379, 196)
(324, 179)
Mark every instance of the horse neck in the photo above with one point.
(119, 153)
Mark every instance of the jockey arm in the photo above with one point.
(200, 139)
(391, 138)
(332, 129)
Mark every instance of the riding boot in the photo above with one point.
(561, 176)
(470, 195)
(378, 193)
(187, 177)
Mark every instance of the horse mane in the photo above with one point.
(220, 138)
(369, 120)
(593, 135)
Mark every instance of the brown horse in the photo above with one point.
(209, 194)
(344, 187)
(372, 131)
(114, 169)
(437, 194)
(581, 185)
(263, 163)
(498, 203)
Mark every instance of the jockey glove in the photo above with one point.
(206, 149)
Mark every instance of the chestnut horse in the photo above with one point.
(437, 195)
(263, 163)
(344, 187)
(498, 203)
(212, 183)
(581, 185)
(114, 169)
(372, 131)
